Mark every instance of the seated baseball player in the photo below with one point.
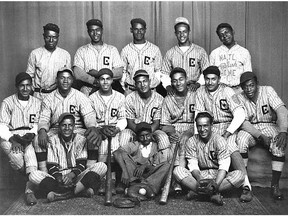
(229, 114)
(144, 105)
(208, 163)
(65, 99)
(66, 162)
(263, 107)
(177, 118)
(111, 118)
(19, 115)
(141, 161)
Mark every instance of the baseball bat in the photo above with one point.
(108, 185)
(166, 188)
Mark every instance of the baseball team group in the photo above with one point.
(195, 114)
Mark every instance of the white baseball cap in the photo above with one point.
(181, 20)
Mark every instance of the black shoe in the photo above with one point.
(120, 189)
(246, 195)
(276, 193)
(30, 199)
(217, 199)
(53, 196)
(191, 195)
(177, 189)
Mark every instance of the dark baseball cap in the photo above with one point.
(66, 115)
(65, 69)
(138, 20)
(248, 75)
(104, 71)
(143, 126)
(96, 22)
(212, 70)
(140, 73)
(177, 70)
(22, 76)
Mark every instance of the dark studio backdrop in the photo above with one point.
(261, 27)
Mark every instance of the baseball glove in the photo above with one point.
(207, 187)
(133, 191)
(25, 139)
(127, 202)
(108, 131)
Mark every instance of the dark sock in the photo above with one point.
(48, 184)
(91, 180)
(275, 177)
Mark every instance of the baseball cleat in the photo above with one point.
(30, 199)
(246, 195)
(276, 193)
(217, 199)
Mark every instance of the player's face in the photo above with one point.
(250, 88)
(66, 128)
(142, 84)
(226, 36)
(145, 137)
(95, 33)
(51, 40)
(204, 127)
(105, 82)
(24, 89)
(212, 82)
(179, 82)
(138, 31)
(64, 81)
(182, 34)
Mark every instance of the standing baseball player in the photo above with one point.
(44, 62)
(262, 103)
(90, 58)
(229, 114)
(187, 55)
(231, 58)
(19, 114)
(140, 54)
(65, 99)
(67, 155)
(144, 105)
(177, 118)
(111, 118)
(208, 158)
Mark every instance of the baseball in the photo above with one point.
(126, 191)
(142, 191)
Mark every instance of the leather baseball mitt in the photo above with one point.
(207, 187)
(127, 202)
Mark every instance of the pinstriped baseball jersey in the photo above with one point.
(193, 61)
(222, 103)
(64, 154)
(43, 66)
(141, 111)
(75, 103)
(178, 115)
(14, 115)
(231, 62)
(207, 154)
(267, 103)
(87, 57)
(148, 58)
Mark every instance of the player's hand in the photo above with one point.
(93, 136)
(68, 178)
(265, 140)
(192, 86)
(138, 172)
(110, 131)
(93, 72)
(226, 134)
(281, 140)
(16, 147)
(170, 90)
(42, 139)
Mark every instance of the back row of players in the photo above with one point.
(243, 119)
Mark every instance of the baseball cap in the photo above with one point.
(104, 71)
(65, 115)
(51, 27)
(22, 76)
(140, 73)
(248, 75)
(181, 20)
(65, 69)
(143, 126)
(96, 22)
(212, 70)
(177, 70)
(138, 20)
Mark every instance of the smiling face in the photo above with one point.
(138, 31)
(66, 128)
(182, 34)
(212, 82)
(24, 89)
(179, 82)
(204, 128)
(51, 40)
(105, 82)
(64, 81)
(145, 137)
(142, 84)
(250, 88)
(95, 33)
(226, 36)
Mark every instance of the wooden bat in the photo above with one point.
(166, 188)
(108, 185)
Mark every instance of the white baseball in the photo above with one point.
(142, 191)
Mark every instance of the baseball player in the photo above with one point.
(208, 158)
(44, 62)
(90, 58)
(187, 55)
(141, 160)
(231, 58)
(144, 105)
(229, 115)
(177, 116)
(19, 114)
(262, 103)
(140, 54)
(65, 99)
(67, 155)
(111, 118)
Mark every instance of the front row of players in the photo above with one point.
(71, 159)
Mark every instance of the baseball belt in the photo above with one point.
(40, 90)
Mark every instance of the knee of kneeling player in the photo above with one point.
(91, 180)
